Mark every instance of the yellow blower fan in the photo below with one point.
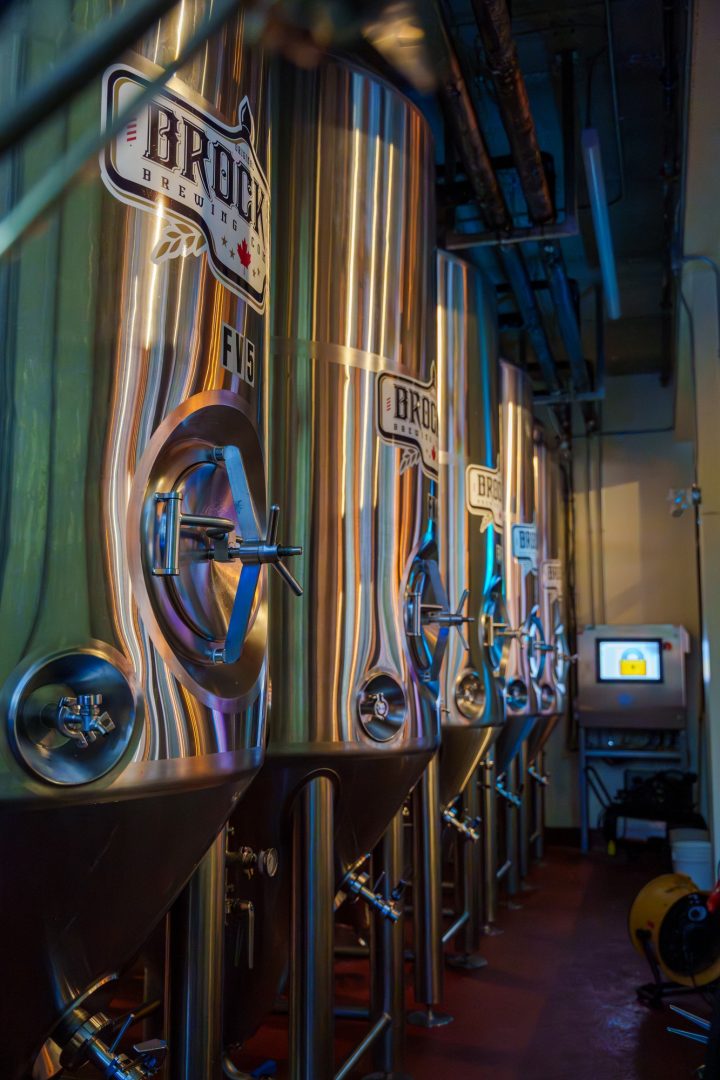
(674, 927)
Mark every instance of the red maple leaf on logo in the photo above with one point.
(244, 253)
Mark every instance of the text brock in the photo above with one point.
(486, 486)
(177, 145)
(414, 407)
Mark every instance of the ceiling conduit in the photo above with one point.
(461, 118)
(493, 21)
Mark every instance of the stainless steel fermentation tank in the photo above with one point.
(353, 457)
(470, 514)
(471, 545)
(522, 666)
(524, 661)
(133, 506)
(550, 515)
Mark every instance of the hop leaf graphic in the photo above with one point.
(178, 239)
(244, 253)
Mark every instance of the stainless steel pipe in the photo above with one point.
(312, 980)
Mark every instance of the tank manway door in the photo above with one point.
(199, 503)
(429, 618)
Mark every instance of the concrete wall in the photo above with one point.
(647, 558)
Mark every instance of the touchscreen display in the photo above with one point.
(629, 661)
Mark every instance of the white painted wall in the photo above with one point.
(648, 557)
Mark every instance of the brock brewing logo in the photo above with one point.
(407, 416)
(524, 548)
(552, 576)
(203, 177)
(484, 495)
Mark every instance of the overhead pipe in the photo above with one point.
(567, 315)
(493, 20)
(461, 118)
(460, 115)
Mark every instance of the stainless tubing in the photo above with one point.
(427, 891)
(311, 956)
(471, 869)
(372, 1036)
(512, 833)
(538, 846)
(525, 812)
(490, 855)
(387, 975)
(197, 937)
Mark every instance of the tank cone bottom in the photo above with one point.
(466, 961)
(429, 1018)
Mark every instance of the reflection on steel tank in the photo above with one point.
(352, 441)
(471, 508)
(133, 658)
(550, 514)
(523, 665)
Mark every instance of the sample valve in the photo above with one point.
(79, 718)
(509, 796)
(467, 827)
(539, 778)
(357, 883)
(87, 1045)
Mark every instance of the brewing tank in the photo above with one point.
(353, 452)
(522, 665)
(470, 513)
(550, 514)
(132, 487)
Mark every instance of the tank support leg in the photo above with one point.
(387, 959)
(512, 833)
(312, 933)
(489, 852)
(539, 822)
(469, 874)
(524, 812)
(197, 942)
(427, 900)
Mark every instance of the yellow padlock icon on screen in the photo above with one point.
(633, 663)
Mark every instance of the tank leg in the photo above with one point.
(469, 869)
(512, 834)
(524, 812)
(312, 998)
(427, 901)
(387, 958)
(489, 853)
(196, 945)
(539, 823)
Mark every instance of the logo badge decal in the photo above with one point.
(483, 495)
(407, 416)
(179, 162)
(551, 577)
(524, 547)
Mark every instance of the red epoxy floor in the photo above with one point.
(556, 1001)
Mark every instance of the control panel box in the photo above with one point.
(632, 676)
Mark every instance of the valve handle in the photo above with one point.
(252, 550)
(399, 890)
(150, 1055)
(454, 618)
